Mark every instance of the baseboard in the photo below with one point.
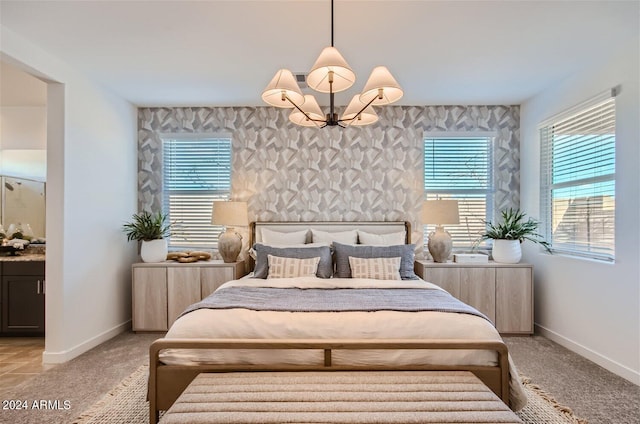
(67, 355)
(606, 363)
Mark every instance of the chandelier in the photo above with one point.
(332, 74)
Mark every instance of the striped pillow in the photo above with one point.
(280, 267)
(376, 268)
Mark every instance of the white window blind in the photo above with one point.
(578, 180)
(195, 173)
(460, 168)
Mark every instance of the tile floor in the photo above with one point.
(20, 360)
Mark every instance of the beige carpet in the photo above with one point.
(126, 403)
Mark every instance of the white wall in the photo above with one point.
(91, 191)
(23, 127)
(588, 306)
(23, 141)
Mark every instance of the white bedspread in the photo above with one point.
(243, 323)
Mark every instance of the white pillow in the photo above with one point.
(344, 237)
(390, 239)
(280, 267)
(275, 238)
(376, 268)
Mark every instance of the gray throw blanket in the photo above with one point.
(333, 300)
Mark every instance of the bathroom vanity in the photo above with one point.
(22, 295)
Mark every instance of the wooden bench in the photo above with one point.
(338, 397)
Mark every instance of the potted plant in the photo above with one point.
(151, 229)
(508, 235)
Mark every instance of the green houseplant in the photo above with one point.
(151, 229)
(510, 233)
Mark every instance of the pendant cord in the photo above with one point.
(330, 117)
(331, 23)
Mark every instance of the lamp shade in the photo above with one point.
(440, 212)
(381, 82)
(368, 115)
(233, 214)
(312, 109)
(331, 60)
(283, 84)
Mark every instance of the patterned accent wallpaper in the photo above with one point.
(291, 173)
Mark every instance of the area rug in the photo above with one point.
(126, 403)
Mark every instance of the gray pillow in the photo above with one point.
(405, 251)
(325, 267)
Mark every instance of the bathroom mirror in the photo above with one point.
(23, 201)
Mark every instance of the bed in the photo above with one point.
(347, 322)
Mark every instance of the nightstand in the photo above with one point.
(503, 292)
(162, 291)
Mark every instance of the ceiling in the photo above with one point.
(223, 53)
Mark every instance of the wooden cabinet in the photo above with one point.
(22, 298)
(503, 292)
(149, 298)
(162, 291)
(514, 300)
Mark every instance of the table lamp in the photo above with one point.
(230, 214)
(440, 212)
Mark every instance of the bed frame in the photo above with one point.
(167, 382)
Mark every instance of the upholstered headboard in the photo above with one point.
(374, 227)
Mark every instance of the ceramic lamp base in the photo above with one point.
(229, 245)
(440, 244)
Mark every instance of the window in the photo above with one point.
(578, 180)
(461, 168)
(196, 171)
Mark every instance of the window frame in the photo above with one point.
(488, 193)
(173, 240)
(547, 185)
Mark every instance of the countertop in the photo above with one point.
(30, 254)
(23, 257)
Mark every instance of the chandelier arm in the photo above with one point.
(302, 111)
(359, 113)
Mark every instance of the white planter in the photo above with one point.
(154, 250)
(507, 251)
